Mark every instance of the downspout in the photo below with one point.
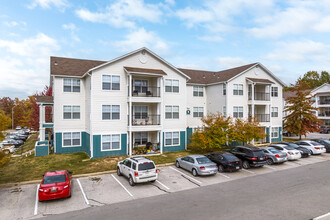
(91, 147)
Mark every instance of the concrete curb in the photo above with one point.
(8, 185)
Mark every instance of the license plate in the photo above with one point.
(53, 190)
(237, 168)
(261, 158)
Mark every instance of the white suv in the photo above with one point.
(137, 170)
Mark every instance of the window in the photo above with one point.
(238, 111)
(140, 112)
(198, 112)
(110, 82)
(172, 85)
(71, 112)
(238, 89)
(198, 91)
(111, 142)
(71, 85)
(274, 91)
(171, 112)
(141, 86)
(224, 89)
(274, 132)
(71, 139)
(110, 112)
(274, 111)
(172, 138)
(224, 111)
(140, 138)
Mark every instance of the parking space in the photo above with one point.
(21, 202)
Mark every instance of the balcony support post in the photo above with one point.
(130, 115)
(252, 102)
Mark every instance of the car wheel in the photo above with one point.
(311, 152)
(177, 164)
(69, 195)
(270, 161)
(194, 172)
(152, 181)
(118, 171)
(131, 181)
(246, 164)
(221, 168)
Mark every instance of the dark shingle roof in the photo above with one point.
(144, 70)
(45, 99)
(207, 77)
(260, 80)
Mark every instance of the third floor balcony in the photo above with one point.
(260, 96)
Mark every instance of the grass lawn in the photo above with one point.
(28, 145)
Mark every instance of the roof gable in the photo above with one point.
(322, 88)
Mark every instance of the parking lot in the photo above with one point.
(21, 202)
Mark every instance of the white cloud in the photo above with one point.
(123, 13)
(72, 28)
(14, 23)
(170, 2)
(47, 4)
(142, 38)
(211, 38)
(230, 62)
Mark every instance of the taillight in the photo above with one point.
(266, 157)
(216, 165)
(317, 148)
(66, 186)
(156, 171)
(136, 173)
(228, 163)
(254, 158)
(277, 156)
(202, 168)
(290, 153)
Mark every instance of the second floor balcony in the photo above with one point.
(145, 91)
(260, 96)
(144, 119)
(261, 117)
(324, 100)
(324, 113)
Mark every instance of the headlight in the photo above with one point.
(66, 186)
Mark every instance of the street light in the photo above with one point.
(12, 117)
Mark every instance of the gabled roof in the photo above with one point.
(45, 99)
(256, 80)
(144, 70)
(325, 84)
(208, 77)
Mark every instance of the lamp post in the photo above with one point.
(12, 117)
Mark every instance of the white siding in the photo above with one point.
(195, 101)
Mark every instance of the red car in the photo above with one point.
(55, 185)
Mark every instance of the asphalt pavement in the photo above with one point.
(300, 193)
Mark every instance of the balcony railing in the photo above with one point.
(324, 102)
(145, 120)
(146, 91)
(260, 96)
(324, 113)
(261, 117)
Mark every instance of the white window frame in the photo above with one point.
(274, 93)
(224, 89)
(275, 132)
(142, 116)
(111, 82)
(171, 86)
(199, 91)
(172, 138)
(141, 86)
(200, 112)
(71, 112)
(274, 113)
(171, 106)
(238, 88)
(110, 142)
(72, 85)
(224, 111)
(238, 111)
(80, 139)
(141, 137)
(111, 112)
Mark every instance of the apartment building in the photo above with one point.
(321, 98)
(140, 100)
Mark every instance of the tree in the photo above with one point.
(6, 105)
(245, 131)
(313, 79)
(301, 119)
(5, 123)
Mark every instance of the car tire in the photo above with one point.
(194, 172)
(69, 195)
(246, 164)
(118, 171)
(153, 181)
(311, 152)
(221, 168)
(270, 161)
(131, 181)
(177, 164)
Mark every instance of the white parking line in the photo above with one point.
(248, 171)
(82, 191)
(322, 216)
(224, 175)
(162, 184)
(290, 164)
(186, 175)
(36, 204)
(269, 167)
(122, 185)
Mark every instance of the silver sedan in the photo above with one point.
(197, 164)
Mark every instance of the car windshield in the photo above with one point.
(314, 143)
(202, 160)
(229, 156)
(146, 166)
(289, 148)
(274, 151)
(54, 179)
(293, 145)
(327, 141)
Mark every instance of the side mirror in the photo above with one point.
(121, 162)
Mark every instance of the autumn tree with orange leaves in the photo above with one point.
(301, 118)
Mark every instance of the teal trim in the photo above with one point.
(267, 132)
(82, 148)
(86, 142)
(41, 150)
(42, 143)
(48, 125)
(48, 104)
(189, 132)
(279, 138)
(180, 147)
(97, 152)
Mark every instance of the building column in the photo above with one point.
(41, 122)
(130, 115)
(252, 102)
(161, 141)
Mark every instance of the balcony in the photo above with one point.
(324, 101)
(260, 96)
(262, 117)
(324, 114)
(145, 120)
(145, 91)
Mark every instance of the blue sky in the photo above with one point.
(289, 37)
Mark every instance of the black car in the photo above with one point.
(225, 161)
(250, 156)
(324, 142)
(303, 150)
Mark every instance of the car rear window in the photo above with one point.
(294, 145)
(258, 153)
(146, 166)
(289, 148)
(54, 179)
(229, 156)
(274, 151)
(202, 160)
(314, 143)
(326, 141)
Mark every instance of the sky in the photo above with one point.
(289, 37)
